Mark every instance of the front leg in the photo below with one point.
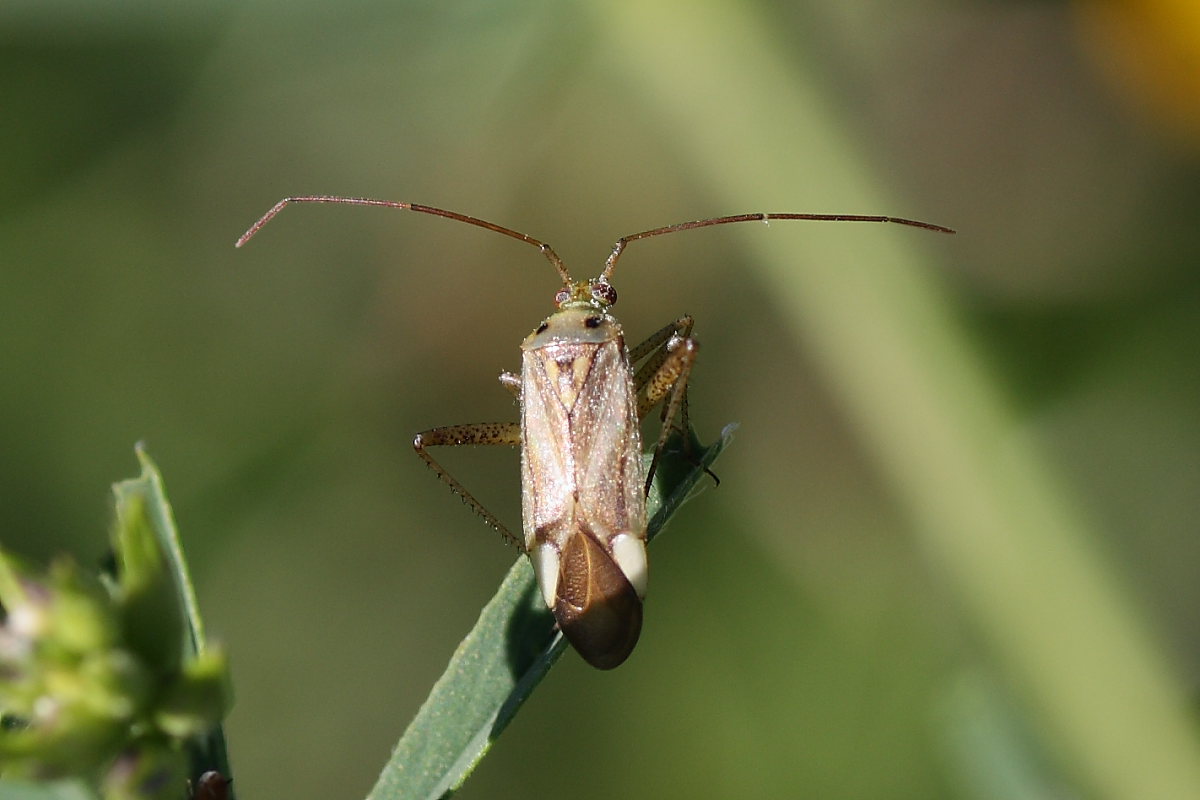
(490, 433)
(512, 382)
(670, 353)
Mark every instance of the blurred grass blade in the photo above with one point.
(986, 505)
(496, 667)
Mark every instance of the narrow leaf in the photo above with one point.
(146, 496)
(503, 658)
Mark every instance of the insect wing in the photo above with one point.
(596, 606)
(584, 512)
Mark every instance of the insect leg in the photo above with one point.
(657, 345)
(511, 382)
(655, 341)
(664, 375)
(505, 433)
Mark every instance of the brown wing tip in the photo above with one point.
(597, 607)
(605, 635)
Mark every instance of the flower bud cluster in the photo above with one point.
(99, 676)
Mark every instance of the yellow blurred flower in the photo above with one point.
(1150, 51)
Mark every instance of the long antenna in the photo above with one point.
(545, 249)
(760, 216)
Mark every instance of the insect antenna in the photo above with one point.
(760, 216)
(544, 248)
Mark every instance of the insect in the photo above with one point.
(212, 785)
(583, 394)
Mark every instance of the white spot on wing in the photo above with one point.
(545, 566)
(630, 554)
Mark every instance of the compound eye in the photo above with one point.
(563, 295)
(604, 292)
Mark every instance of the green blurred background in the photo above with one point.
(954, 550)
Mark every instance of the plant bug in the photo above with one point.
(583, 396)
(212, 785)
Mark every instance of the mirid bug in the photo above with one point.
(212, 785)
(583, 395)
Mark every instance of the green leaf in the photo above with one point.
(149, 550)
(46, 790)
(504, 657)
(199, 697)
(142, 503)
